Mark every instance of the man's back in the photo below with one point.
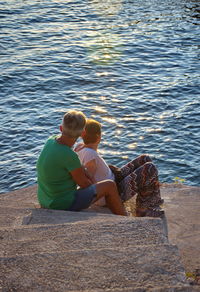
(56, 187)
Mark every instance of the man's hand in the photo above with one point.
(80, 177)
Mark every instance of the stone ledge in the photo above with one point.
(182, 211)
(140, 266)
(97, 234)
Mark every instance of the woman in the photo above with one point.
(138, 176)
(63, 183)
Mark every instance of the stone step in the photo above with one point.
(187, 288)
(28, 193)
(12, 216)
(18, 204)
(101, 232)
(164, 289)
(23, 198)
(119, 268)
(46, 216)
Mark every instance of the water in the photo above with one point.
(132, 65)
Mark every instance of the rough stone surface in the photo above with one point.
(25, 197)
(48, 250)
(94, 235)
(182, 208)
(45, 216)
(139, 266)
(12, 216)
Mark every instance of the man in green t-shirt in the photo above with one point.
(60, 173)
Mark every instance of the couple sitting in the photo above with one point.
(61, 170)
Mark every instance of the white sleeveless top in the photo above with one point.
(103, 171)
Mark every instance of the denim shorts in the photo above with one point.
(83, 198)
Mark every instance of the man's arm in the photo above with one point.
(79, 176)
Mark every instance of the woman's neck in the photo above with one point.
(93, 146)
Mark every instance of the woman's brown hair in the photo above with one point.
(92, 131)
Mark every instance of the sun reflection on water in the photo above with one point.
(154, 130)
(106, 8)
(101, 74)
(132, 145)
(104, 47)
(99, 109)
(111, 120)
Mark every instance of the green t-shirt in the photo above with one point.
(56, 187)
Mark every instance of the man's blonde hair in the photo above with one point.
(73, 123)
(92, 131)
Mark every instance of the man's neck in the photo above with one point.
(66, 140)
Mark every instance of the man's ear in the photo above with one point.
(61, 128)
(83, 133)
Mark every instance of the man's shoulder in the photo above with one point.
(51, 139)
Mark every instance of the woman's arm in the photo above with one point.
(91, 168)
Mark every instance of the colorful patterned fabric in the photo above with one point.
(140, 177)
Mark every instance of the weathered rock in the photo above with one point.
(88, 251)
(12, 217)
(26, 195)
(139, 266)
(182, 208)
(99, 233)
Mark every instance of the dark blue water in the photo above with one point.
(132, 65)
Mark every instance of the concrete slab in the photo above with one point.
(94, 235)
(165, 289)
(45, 216)
(9, 220)
(28, 195)
(19, 203)
(182, 288)
(13, 217)
(187, 288)
(182, 208)
(119, 268)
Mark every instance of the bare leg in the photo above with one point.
(108, 189)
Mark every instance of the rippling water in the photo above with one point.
(132, 65)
